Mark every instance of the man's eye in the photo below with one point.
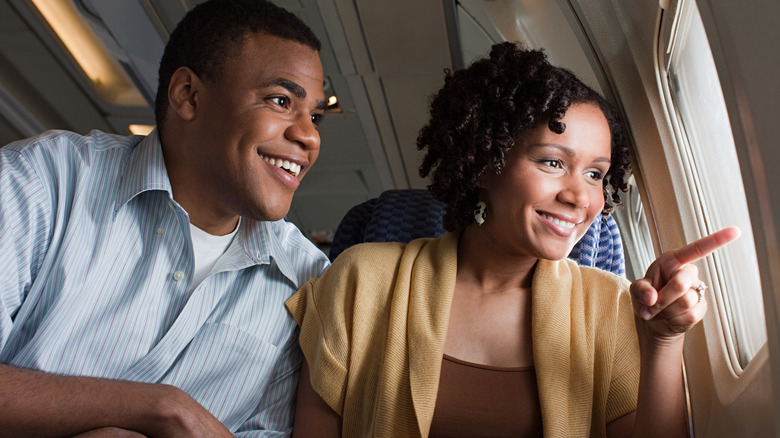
(316, 119)
(281, 101)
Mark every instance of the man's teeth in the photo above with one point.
(557, 221)
(293, 168)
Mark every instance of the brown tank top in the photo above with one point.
(480, 401)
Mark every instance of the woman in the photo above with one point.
(490, 330)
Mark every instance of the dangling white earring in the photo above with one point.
(480, 213)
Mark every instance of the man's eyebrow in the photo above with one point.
(291, 86)
(296, 90)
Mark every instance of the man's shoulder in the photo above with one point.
(67, 141)
(64, 159)
(58, 149)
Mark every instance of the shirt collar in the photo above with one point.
(145, 171)
(264, 240)
(256, 240)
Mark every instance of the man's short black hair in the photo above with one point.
(214, 31)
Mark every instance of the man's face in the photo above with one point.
(256, 128)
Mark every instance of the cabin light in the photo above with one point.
(333, 101)
(333, 105)
(140, 129)
(109, 80)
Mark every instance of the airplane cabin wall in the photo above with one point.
(744, 37)
(725, 402)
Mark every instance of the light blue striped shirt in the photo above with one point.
(96, 265)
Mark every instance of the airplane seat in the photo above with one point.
(394, 216)
(405, 215)
(601, 247)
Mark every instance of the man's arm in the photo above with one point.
(33, 403)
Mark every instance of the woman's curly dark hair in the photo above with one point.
(482, 112)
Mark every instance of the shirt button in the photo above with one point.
(160, 230)
(178, 275)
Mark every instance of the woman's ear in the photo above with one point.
(183, 93)
(481, 182)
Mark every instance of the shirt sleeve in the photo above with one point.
(25, 212)
(624, 385)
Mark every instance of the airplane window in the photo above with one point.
(704, 135)
(635, 231)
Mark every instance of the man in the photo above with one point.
(143, 280)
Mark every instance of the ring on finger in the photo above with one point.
(700, 291)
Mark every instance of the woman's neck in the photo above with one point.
(490, 269)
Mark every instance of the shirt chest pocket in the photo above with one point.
(226, 370)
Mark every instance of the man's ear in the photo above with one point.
(183, 92)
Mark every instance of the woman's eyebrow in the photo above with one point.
(568, 151)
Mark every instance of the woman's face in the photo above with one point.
(550, 190)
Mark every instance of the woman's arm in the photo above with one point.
(313, 417)
(661, 404)
(621, 427)
(666, 305)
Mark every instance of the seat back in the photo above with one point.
(394, 216)
(405, 215)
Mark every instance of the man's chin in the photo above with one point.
(274, 215)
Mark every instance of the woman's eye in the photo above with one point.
(553, 163)
(596, 175)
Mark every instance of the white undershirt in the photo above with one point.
(208, 248)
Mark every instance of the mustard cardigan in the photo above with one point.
(373, 331)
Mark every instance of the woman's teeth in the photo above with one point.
(293, 168)
(559, 222)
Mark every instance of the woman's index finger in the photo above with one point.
(705, 246)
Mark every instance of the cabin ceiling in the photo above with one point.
(382, 60)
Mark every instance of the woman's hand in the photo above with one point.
(666, 301)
